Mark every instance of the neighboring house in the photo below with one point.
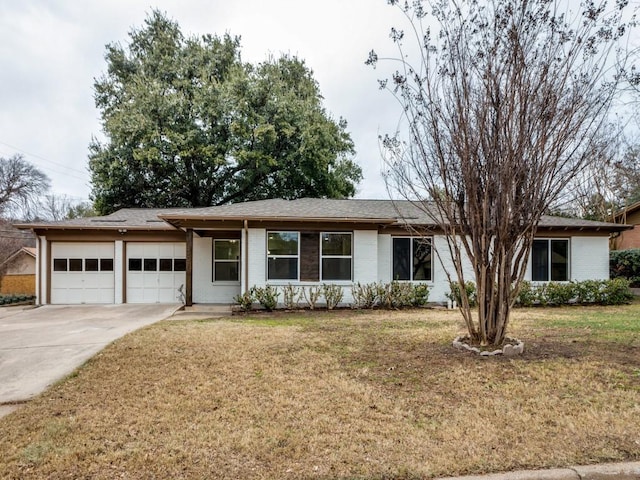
(19, 272)
(216, 253)
(630, 238)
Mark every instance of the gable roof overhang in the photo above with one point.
(277, 213)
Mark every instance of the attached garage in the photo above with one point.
(82, 272)
(155, 272)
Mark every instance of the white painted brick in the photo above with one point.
(384, 258)
(365, 256)
(204, 289)
(589, 258)
(257, 257)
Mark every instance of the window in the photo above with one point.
(412, 259)
(75, 264)
(106, 264)
(135, 264)
(336, 256)
(179, 264)
(91, 264)
(166, 265)
(59, 264)
(150, 264)
(226, 260)
(550, 260)
(282, 255)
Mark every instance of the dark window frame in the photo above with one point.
(550, 273)
(411, 265)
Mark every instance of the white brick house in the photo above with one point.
(213, 254)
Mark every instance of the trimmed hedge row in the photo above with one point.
(386, 295)
(589, 292)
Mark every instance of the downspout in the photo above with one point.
(246, 256)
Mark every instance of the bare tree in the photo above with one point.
(502, 104)
(62, 207)
(21, 185)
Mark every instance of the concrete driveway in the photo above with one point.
(38, 346)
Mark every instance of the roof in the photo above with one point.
(126, 218)
(387, 212)
(29, 251)
(319, 209)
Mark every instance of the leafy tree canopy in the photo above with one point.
(187, 123)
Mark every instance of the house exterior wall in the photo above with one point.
(371, 262)
(257, 257)
(205, 290)
(23, 264)
(628, 239)
(384, 257)
(365, 256)
(589, 258)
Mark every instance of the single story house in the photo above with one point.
(19, 272)
(210, 255)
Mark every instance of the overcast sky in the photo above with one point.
(51, 51)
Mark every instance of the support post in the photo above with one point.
(188, 300)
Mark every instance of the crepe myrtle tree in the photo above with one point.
(502, 101)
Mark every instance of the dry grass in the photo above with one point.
(342, 395)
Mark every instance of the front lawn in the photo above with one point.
(375, 395)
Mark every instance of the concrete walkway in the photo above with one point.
(39, 346)
(607, 471)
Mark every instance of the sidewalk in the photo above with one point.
(608, 471)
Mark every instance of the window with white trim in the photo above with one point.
(336, 256)
(226, 260)
(283, 252)
(412, 259)
(550, 260)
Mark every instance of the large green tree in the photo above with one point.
(187, 123)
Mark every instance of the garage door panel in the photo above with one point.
(86, 283)
(159, 283)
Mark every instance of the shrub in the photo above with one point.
(245, 300)
(589, 291)
(290, 296)
(625, 264)
(557, 293)
(333, 295)
(400, 294)
(383, 293)
(266, 296)
(420, 295)
(616, 292)
(527, 294)
(364, 296)
(454, 294)
(313, 295)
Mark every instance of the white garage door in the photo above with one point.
(82, 272)
(155, 272)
